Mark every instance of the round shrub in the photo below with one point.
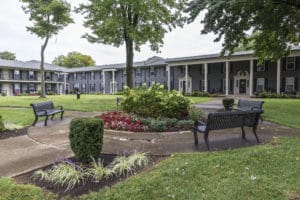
(2, 128)
(228, 103)
(156, 101)
(86, 138)
(196, 114)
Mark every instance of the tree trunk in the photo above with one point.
(129, 62)
(42, 69)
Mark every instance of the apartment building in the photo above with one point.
(239, 74)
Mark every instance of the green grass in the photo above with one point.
(199, 99)
(19, 116)
(283, 111)
(260, 172)
(11, 191)
(69, 102)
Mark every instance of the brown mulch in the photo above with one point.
(13, 133)
(86, 187)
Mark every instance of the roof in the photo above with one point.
(32, 65)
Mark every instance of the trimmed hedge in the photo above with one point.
(227, 103)
(86, 138)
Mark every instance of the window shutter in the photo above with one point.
(208, 69)
(208, 85)
(283, 64)
(297, 63)
(200, 85)
(267, 65)
(283, 84)
(222, 68)
(254, 84)
(221, 89)
(266, 84)
(231, 68)
(255, 65)
(149, 71)
(296, 84)
(155, 72)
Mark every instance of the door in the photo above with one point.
(242, 86)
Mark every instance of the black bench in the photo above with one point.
(46, 109)
(224, 120)
(246, 105)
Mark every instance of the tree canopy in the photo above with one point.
(132, 23)
(276, 24)
(74, 59)
(7, 55)
(48, 17)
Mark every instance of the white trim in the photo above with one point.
(205, 77)
(227, 78)
(168, 77)
(278, 76)
(251, 79)
(241, 75)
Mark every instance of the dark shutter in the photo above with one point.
(267, 65)
(231, 68)
(255, 65)
(266, 85)
(283, 84)
(208, 69)
(296, 84)
(283, 64)
(254, 84)
(222, 68)
(154, 71)
(200, 85)
(221, 89)
(149, 71)
(297, 62)
(208, 85)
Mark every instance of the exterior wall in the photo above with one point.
(215, 77)
(197, 75)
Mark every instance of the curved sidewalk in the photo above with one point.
(45, 145)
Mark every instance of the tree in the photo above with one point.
(132, 23)
(7, 55)
(49, 17)
(275, 22)
(74, 59)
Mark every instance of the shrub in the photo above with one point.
(185, 124)
(156, 101)
(86, 138)
(158, 125)
(2, 128)
(228, 103)
(275, 95)
(196, 114)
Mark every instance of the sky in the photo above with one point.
(186, 41)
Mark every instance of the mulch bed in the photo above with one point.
(86, 187)
(13, 133)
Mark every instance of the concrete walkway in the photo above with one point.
(45, 145)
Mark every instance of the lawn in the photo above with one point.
(283, 111)
(260, 172)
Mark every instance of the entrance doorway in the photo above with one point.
(243, 86)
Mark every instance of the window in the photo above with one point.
(152, 71)
(290, 84)
(224, 85)
(137, 72)
(75, 77)
(93, 75)
(83, 76)
(290, 63)
(92, 87)
(83, 87)
(48, 76)
(31, 75)
(138, 84)
(261, 67)
(16, 74)
(260, 85)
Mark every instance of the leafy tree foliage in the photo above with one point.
(7, 55)
(49, 17)
(74, 59)
(275, 22)
(132, 23)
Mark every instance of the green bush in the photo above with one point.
(86, 138)
(275, 95)
(196, 114)
(228, 103)
(185, 124)
(2, 128)
(158, 125)
(156, 101)
(202, 94)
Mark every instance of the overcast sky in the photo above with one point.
(186, 41)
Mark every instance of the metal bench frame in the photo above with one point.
(46, 109)
(245, 105)
(225, 120)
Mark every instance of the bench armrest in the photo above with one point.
(200, 123)
(60, 107)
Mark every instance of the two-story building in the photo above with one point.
(238, 74)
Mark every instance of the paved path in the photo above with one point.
(44, 145)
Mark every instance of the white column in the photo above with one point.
(278, 76)
(113, 80)
(103, 81)
(65, 83)
(251, 78)
(186, 78)
(205, 77)
(227, 78)
(169, 77)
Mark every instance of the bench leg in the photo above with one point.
(46, 120)
(254, 132)
(52, 116)
(36, 118)
(243, 133)
(195, 136)
(206, 140)
(62, 115)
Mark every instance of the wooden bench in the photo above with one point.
(225, 120)
(46, 109)
(246, 105)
